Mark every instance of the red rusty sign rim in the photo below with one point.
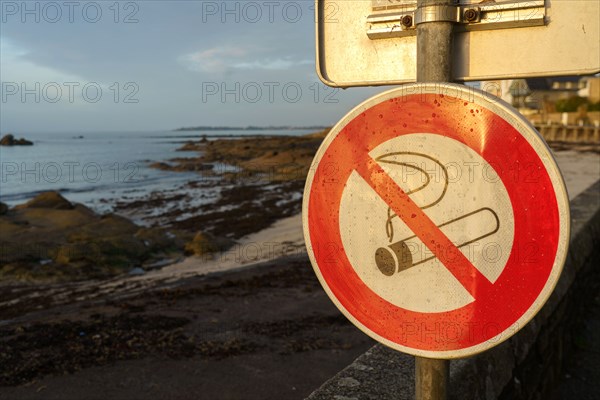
(500, 136)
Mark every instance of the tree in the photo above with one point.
(571, 104)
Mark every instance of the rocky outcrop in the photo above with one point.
(277, 158)
(182, 165)
(9, 140)
(52, 200)
(49, 238)
(3, 208)
(201, 245)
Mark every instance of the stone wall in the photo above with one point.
(527, 366)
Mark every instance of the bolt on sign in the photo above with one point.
(373, 42)
(436, 219)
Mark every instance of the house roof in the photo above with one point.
(547, 83)
(519, 88)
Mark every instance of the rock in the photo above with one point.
(84, 211)
(137, 271)
(183, 165)
(49, 238)
(52, 200)
(160, 263)
(72, 252)
(109, 225)
(9, 140)
(281, 158)
(155, 239)
(3, 208)
(202, 244)
(116, 224)
(348, 382)
(190, 146)
(112, 253)
(161, 165)
(56, 220)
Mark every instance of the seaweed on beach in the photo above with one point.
(29, 352)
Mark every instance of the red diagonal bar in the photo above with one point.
(425, 229)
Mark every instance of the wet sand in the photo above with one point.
(264, 332)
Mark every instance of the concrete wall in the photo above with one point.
(524, 367)
(592, 118)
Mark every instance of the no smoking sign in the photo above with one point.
(436, 219)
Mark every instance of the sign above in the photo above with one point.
(436, 219)
(373, 42)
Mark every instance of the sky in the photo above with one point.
(153, 65)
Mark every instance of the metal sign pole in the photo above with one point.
(434, 56)
(434, 39)
(431, 378)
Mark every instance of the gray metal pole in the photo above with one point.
(431, 378)
(434, 46)
(434, 64)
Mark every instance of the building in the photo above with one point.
(590, 89)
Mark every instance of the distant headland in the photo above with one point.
(250, 128)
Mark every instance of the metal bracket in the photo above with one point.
(402, 19)
(437, 13)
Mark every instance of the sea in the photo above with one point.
(98, 169)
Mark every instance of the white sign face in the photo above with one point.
(435, 180)
(555, 38)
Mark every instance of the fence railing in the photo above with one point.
(570, 133)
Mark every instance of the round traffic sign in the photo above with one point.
(436, 219)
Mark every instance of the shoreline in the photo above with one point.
(231, 205)
(282, 239)
(239, 188)
(253, 305)
(101, 167)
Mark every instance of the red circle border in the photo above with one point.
(530, 190)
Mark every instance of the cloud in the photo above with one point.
(17, 68)
(222, 59)
(45, 82)
(212, 60)
(272, 64)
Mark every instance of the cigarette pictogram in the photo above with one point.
(409, 252)
(462, 230)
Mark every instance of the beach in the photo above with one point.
(250, 310)
(247, 319)
(263, 332)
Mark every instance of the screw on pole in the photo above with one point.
(471, 15)
(407, 21)
(434, 64)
